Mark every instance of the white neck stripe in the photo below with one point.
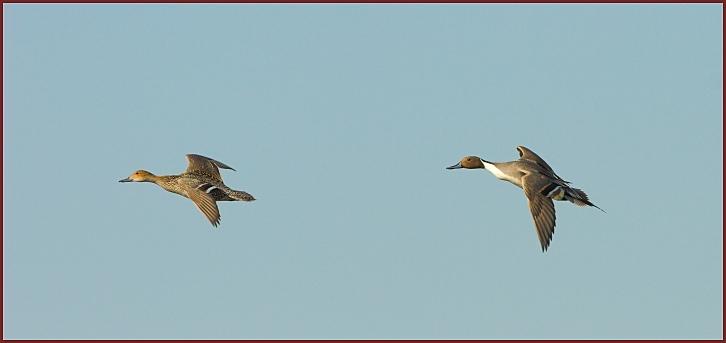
(497, 172)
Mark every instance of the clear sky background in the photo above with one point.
(340, 119)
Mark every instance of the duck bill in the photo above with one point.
(125, 180)
(456, 166)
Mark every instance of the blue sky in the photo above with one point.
(340, 120)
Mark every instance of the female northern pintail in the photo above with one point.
(540, 184)
(201, 183)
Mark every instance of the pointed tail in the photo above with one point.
(579, 198)
(241, 196)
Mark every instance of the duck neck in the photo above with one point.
(492, 168)
(163, 179)
(168, 183)
(152, 178)
(486, 163)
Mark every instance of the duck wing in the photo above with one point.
(541, 207)
(529, 155)
(205, 165)
(206, 205)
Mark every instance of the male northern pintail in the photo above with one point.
(201, 183)
(540, 184)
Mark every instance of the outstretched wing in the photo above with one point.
(205, 165)
(529, 155)
(541, 207)
(206, 205)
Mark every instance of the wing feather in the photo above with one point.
(206, 205)
(541, 207)
(529, 155)
(205, 165)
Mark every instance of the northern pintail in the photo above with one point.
(540, 184)
(201, 183)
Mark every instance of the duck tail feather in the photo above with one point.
(579, 198)
(241, 196)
